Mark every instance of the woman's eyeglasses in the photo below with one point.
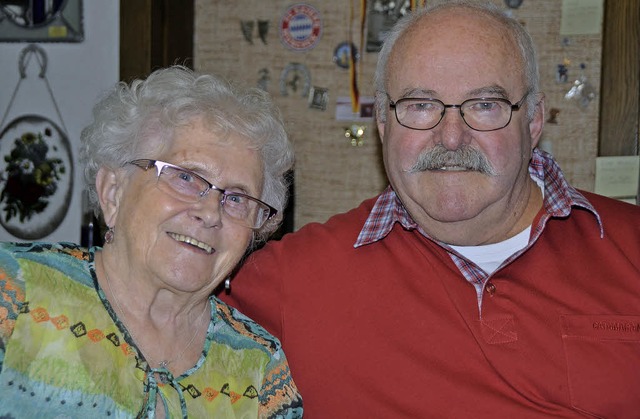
(188, 186)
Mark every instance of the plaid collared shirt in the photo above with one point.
(559, 198)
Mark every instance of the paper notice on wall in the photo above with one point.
(344, 111)
(581, 17)
(618, 177)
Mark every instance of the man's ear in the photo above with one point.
(537, 122)
(381, 114)
(381, 132)
(108, 189)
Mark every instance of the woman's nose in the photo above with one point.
(208, 209)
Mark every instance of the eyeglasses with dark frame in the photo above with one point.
(480, 114)
(188, 186)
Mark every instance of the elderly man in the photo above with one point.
(480, 283)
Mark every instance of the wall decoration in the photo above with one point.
(352, 53)
(513, 4)
(246, 26)
(37, 177)
(263, 30)
(582, 92)
(295, 78)
(356, 134)
(553, 116)
(562, 73)
(36, 165)
(344, 109)
(342, 54)
(263, 81)
(382, 15)
(41, 21)
(300, 27)
(562, 70)
(318, 98)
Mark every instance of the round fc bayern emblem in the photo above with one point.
(300, 27)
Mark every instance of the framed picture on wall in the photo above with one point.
(41, 21)
(382, 15)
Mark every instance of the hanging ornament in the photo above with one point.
(263, 30)
(356, 134)
(562, 70)
(354, 92)
(582, 92)
(246, 26)
(36, 167)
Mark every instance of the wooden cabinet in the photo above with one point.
(620, 79)
(154, 34)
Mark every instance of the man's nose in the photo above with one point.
(452, 129)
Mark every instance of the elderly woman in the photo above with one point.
(188, 175)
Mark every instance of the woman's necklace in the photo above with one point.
(164, 363)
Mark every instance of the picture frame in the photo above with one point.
(41, 21)
(318, 98)
(381, 16)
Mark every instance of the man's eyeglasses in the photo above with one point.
(188, 186)
(480, 114)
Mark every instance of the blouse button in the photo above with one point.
(491, 289)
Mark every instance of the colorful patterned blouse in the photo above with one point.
(64, 353)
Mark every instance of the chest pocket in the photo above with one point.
(603, 364)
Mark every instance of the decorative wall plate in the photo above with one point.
(343, 52)
(295, 77)
(36, 177)
(300, 27)
(41, 21)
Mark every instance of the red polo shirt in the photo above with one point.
(391, 327)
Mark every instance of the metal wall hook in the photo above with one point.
(23, 61)
(25, 54)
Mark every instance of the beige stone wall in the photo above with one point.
(333, 176)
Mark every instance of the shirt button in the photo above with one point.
(491, 289)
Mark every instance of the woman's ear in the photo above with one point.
(107, 187)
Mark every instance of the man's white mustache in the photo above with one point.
(439, 157)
